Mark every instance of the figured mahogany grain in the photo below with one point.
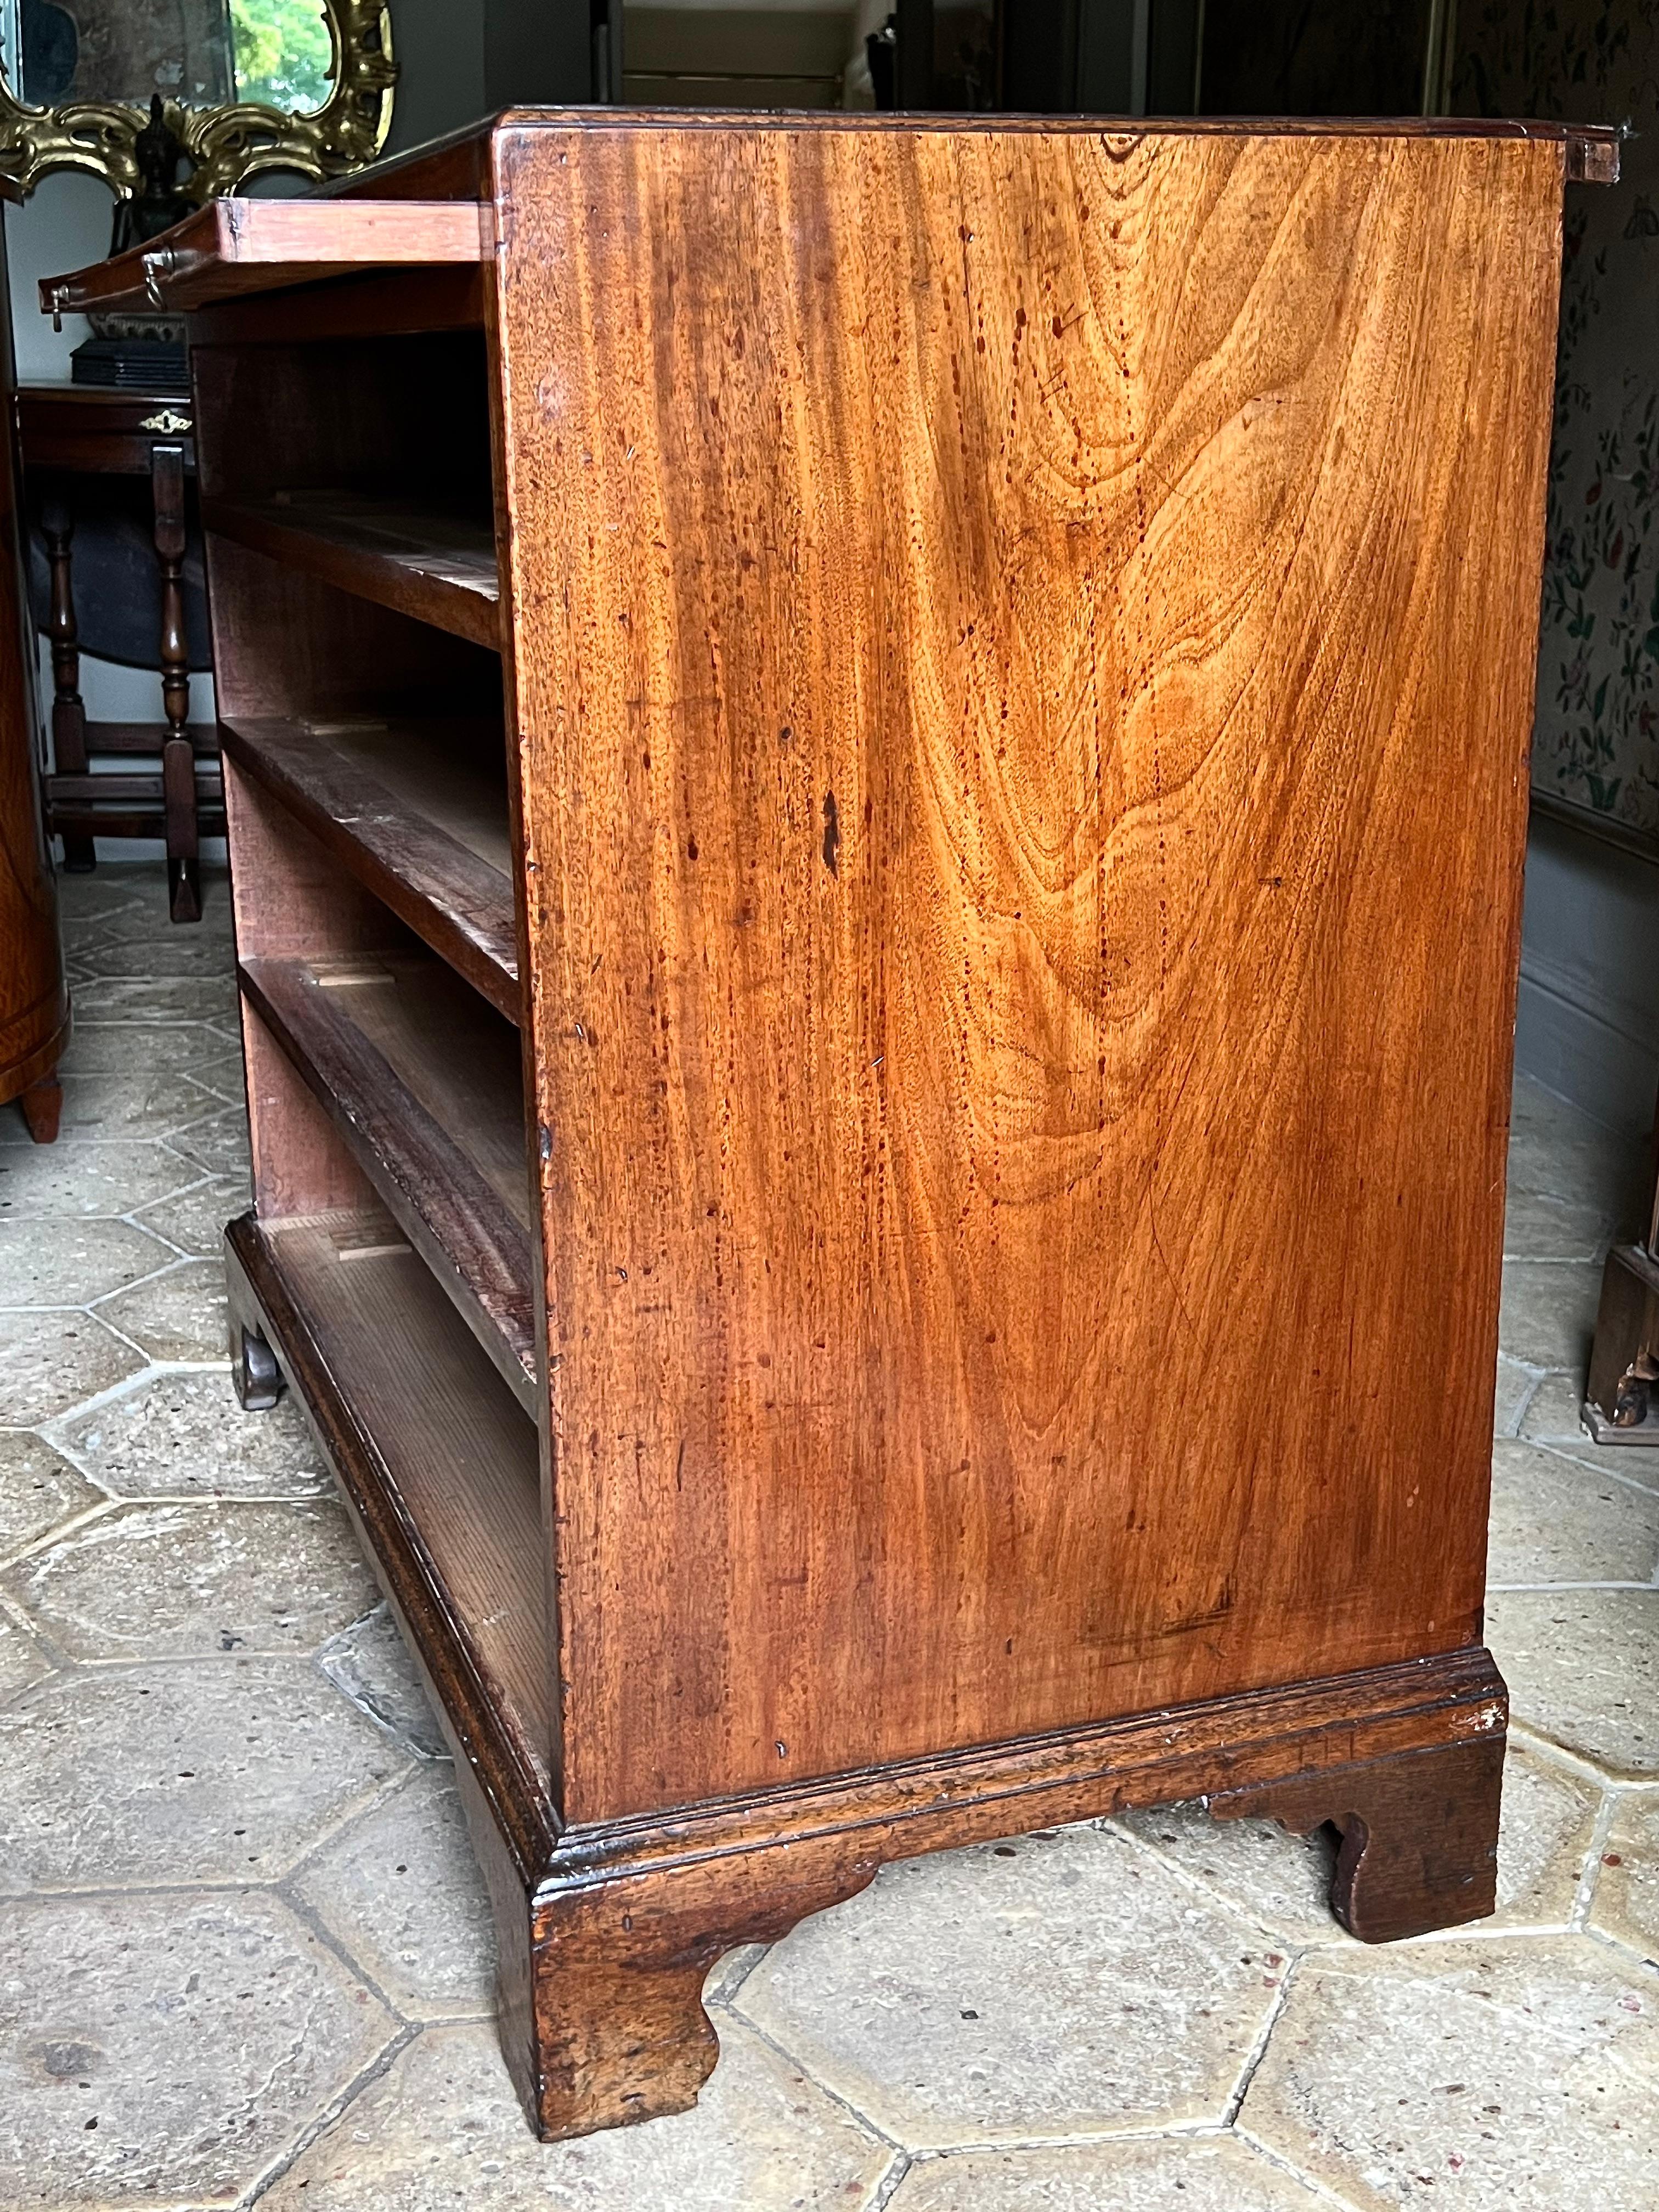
(1024, 785)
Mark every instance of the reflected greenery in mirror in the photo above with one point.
(283, 55)
(246, 86)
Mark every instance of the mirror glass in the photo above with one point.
(203, 53)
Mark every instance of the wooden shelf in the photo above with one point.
(421, 560)
(898, 1148)
(418, 811)
(435, 1459)
(425, 1084)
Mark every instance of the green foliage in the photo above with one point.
(285, 55)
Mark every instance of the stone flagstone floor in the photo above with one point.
(243, 1952)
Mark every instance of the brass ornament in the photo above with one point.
(225, 145)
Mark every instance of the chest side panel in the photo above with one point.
(1023, 654)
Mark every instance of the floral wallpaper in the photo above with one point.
(1597, 740)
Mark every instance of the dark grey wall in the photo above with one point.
(536, 51)
(1100, 56)
(459, 60)
(439, 45)
(1587, 1023)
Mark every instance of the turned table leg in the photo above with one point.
(178, 759)
(1621, 1398)
(43, 1105)
(69, 713)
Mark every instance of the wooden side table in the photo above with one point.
(73, 430)
(1621, 1397)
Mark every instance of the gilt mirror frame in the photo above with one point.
(227, 144)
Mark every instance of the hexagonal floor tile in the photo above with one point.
(223, 1770)
(197, 951)
(53, 1360)
(1501, 2076)
(49, 1183)
(23, 1662)
(1555, 1415)
(1554, 1148)
(167, 2049)
(1555, 1419)
(39, 1492)
(179, 1316)
(226, 1076)
(1211, 2174)
(1555, 1519)
(443, 2130)
(155, 1582)
(1544, 1838)
(371, 1663)
(1283, 1881)
(1539, 1226)
(134, 1048)
(217, 1145)
(81, 932)
(129, 1103)
(111, 883)
(72, 1262)
(157, 998)
(1583, 1667)
(1065, 1983)
(145, 884)
(1516, 1386)
(1548, 1315)
(185, 1436)
(197, 1218)
(400, 1892)
(1626, 1901)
